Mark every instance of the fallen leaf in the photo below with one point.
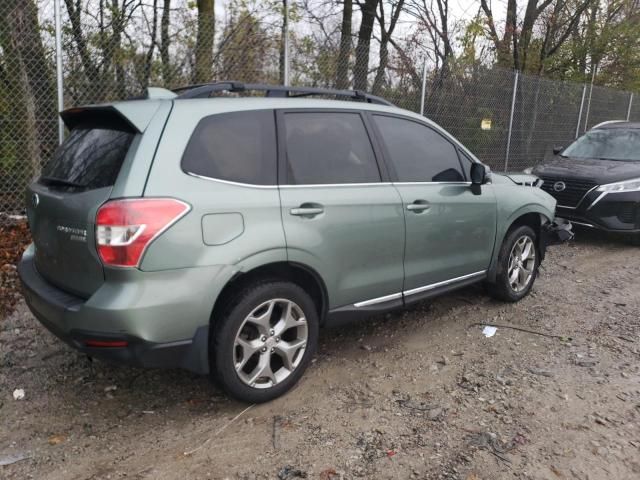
(56, 439)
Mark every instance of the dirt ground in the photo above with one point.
(415, 394)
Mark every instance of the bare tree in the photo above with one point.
(30, 87)
(342, 68)
(361, 68)
(385, 35)
(204, 41)
(513, 47)
(165, 43)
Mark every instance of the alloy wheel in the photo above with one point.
(522, 263)
(270, 343)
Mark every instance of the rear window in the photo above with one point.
(88, 159)
(238, 147)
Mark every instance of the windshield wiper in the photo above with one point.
(62, 181)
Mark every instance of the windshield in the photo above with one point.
(607, 144)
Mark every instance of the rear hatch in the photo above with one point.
(62, 203)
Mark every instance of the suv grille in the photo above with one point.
(574, 192)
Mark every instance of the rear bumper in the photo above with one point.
(151, 327)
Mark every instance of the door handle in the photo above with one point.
(307, 210)
(418, 206)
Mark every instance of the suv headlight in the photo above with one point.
(528, 171)
(626, 186)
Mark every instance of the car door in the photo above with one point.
(450, 228)
(340, 218)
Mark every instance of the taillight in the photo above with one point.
(124, 228)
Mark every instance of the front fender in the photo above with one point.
(511, 208)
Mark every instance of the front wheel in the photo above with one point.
(517, 268)
(264, 341)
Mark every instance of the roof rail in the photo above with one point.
(608, 122)
(206, 89)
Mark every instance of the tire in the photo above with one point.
(503, 288)
(267, 368)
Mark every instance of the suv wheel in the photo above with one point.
(518, 263)
(264, 341)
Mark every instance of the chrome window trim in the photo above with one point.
(333, 185)
(319, 185)
(230, 182)
(413, 291)
(431, 183)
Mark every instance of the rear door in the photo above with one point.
(341, 216)
(62, 203)
(450, 229)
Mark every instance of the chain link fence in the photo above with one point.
(114, 49)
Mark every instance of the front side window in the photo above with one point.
(607, 144)
(238, 147)
(417, 152)
(328, 148)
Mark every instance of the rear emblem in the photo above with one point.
(559, 186)
(35, 200)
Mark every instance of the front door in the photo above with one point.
(339, 217)
(450, 230)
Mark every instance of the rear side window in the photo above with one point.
(328, 148)
(238, 147)
(89, 158)
(418, 153)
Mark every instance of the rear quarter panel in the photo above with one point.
(260, 240)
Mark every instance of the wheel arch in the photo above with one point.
(302, 275)
(535, 218)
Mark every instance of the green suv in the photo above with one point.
(217, 232)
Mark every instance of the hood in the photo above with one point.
(598, 171)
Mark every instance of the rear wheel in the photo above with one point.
(517, 268)
(264, 341)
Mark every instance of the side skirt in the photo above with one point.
(350, 313)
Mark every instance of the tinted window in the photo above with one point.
(88, 158)
(607, 144)
(418, 153)
(238, 147)
(327, 148)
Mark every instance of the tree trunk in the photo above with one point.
(385, 35)
(204, 41)
(32, 87)
(342, 67)
(283, 42)
(165, 42)
(384, 61)
(361, 69)
(149, 56)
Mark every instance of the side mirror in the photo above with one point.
(557, 149)
(479, 174)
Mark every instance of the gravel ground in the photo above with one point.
(414, 394)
